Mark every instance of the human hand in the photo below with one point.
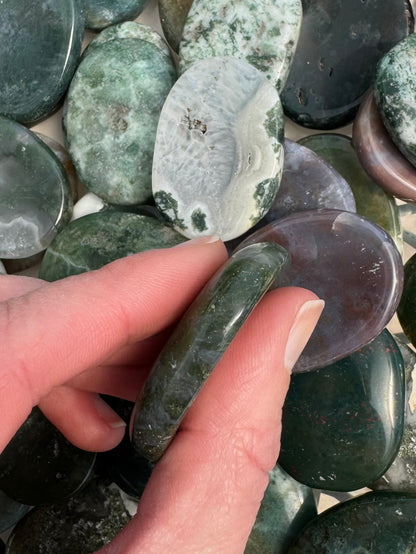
(65, 342)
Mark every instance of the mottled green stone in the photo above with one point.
(198, 342)
(342, 424)
(102, 13)
(406, 310)
(371, 200)
(374, 523)
(173, 15)
(100, 238)
(287, 506)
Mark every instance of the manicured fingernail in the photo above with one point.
(108, 414)
(301, 330)
(199, 240)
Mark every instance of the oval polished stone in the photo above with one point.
(218, 156)
(35, 200)
(198, 342)
(394, 92)
(102, 13)
(336, 58)
(349, 262)
(373, 523)
(40, 45)
(378, 154)
(110, 121)
(11, 511)
(99, 238)
(263, 33)
(406, 310)
(342, 424)
(173, 14)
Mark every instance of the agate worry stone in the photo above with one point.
(102, 13)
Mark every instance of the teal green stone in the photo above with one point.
(102, 13)
(406, 310)
(111, 116)
(198, 342)
(35, 199)
(374, 523)
(287, 506)
(395, 95)
(40, 45)
(342, 424)
(99, 238)
(371, 200)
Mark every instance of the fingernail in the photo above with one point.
(301, 330)
(108, 414)
(199, 240)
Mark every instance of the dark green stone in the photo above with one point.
(342, 424)
(406, 310)
(374, 523)
(100, 238)
(173, 15)
(11, 511)
(101, 13)
(199, 341)
(40, 45)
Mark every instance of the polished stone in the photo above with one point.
(11, 511)
(350, 263)
(40, 466)
(378, 154)
(173, 14)
(287, 506)
(373, 523)
(40, 45)
(112, 110)
(35, 200)
(371, 200)
(198, 342)
(336, 58)
(102, 13)
(407, 307)
(263, 33)
(99, 238)
(218, 156)
(394, 92)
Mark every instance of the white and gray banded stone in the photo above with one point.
(218, 155)
(263, 33)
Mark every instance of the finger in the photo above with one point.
(213, 476)
(17, 285)
(140, 353)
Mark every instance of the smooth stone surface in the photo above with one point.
(40, 466)
(263, 33)
(285, 509)
(371, 200)
(198, 342)
(102, 13)
(379, 156)
(342, 424)
(407, 308)
(218, 156)
(394, 92)
(173, 14)
(336, 58)
(111, 115)
(40, 44)
(374, 523)
(87, 522)
(349, 262)
(10, 511)
(35, 200)
(100, 238)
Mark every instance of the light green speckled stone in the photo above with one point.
(263, 33)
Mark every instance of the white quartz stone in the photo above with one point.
(90, 203)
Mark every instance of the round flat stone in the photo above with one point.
(349, 262)
(173, 15)
(112, 110)
(374, 523)
(11, 511)
(40, 45)
(35, 200)
(100, 238)
(218, 155)
(336, 58)
(407, 307)
(102, 13)
(263, 33)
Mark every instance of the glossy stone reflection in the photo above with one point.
(333, 251)
(101, 13)
(11, 511)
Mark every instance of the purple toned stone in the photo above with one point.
(379, 156)
(350, 262)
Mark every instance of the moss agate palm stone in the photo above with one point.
(198, 342)
(218, 155)
(102, 13)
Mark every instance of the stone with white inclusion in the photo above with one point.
(218, 155)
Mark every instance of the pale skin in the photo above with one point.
(65, 342)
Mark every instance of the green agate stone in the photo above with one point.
(374, 523)
(100, 238)
(406, 310)
(287, 506)
(198, 342)
(40, 45)
(111, 115)
(263, 33)
(172, 17)
(371, 200)
(35, 200)
(342, 424)
(102, 13)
